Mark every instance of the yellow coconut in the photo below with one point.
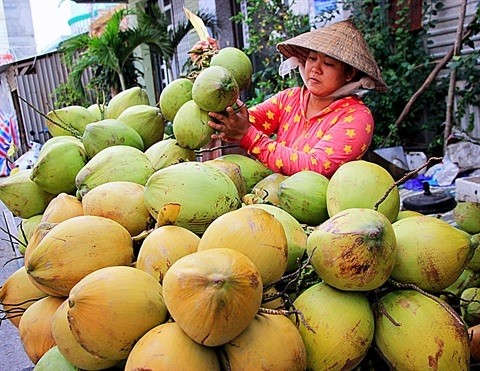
(213, 295)
(341, 327)
(38, 234)
(296, 235)
(76, 247)
(160, 348)
(120, 201)
(354, 250)
(112, 308)
(430, 252)
(415, 332)
(35, 327)
(163, 247)
(70, 347)
(271, 341)
(61, 208)
(17, 294)
(255, 233)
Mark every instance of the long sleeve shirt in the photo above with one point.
(281, 136)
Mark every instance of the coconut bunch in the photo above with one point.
(216, 85)
(153, 253)
(344, 268)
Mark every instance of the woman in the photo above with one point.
(320, 125)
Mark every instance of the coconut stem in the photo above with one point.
(403, 179)
(215, 148)
(67, 127)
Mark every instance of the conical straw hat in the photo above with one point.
(342, 41)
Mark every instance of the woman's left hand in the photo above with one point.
(231, 126)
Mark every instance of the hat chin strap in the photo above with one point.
(354, 87)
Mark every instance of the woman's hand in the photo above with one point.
(203, 46)
(231, 126)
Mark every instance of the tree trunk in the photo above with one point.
(122, 81)
(453, 78)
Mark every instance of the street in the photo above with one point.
(12, 354)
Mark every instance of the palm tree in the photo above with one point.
(110, 55)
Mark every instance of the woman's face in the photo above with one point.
(324, 74)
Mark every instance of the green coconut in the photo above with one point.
(353, 250)
(147, 121)
(474, 263)
(215, 89)
(415, 332)
(237, 62)
(108, 133)
(98, 110)
(23, 197)
(470, 306)
(174, 95)
(467, 216)
(70, 121)
(341, 327)
(53, 359)
(303, 195)
(202, 192)
(467, 279)
(190, 126)
(124, 99)
(406, 214)
(252, 170)
(117, 163)
(168, 152)
(362, 184)
(57, 167)
(26, 228)
(60, 139)
(431, 253)
(233, 171)
(296, 235)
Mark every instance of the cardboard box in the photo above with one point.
(468, 189)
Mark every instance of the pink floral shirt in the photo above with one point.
(339, 133)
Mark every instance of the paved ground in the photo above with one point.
(12, 354)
